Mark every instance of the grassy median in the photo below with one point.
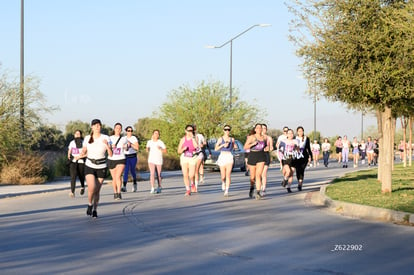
(362, 187)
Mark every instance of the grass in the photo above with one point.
(362, 187)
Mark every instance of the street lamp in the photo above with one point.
(22, 72)
(231, 53)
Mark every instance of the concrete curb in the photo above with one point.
(361, 211)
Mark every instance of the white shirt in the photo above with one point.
(74, 151)
(155, 151)
(95, 150)
(132, 140)
(118, 151)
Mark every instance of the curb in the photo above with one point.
(362, 211)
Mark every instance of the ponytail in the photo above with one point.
(91, 139)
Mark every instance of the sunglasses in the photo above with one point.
(189, 130)
(129, 130)
(227, 129)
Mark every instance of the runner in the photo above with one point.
(77, 164)
(131, 159)
(95, 146)
(155, 148)
(326, 151)
(188, 160)
(225, 145)
(338, 147)
(257, 158)
(345, 151)
(269, 142)
(288, 152)
(199, 173)
(116, 162)
(355, 151)
(316, 148)
(304, 157)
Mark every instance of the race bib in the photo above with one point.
(75, 151)
(116, 151)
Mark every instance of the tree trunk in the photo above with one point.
(379, 123)
(386, 151)
(404, 128)
(410, 140)
(394, 127)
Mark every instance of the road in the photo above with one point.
(167, 233)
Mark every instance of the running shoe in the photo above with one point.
(289, 190)
(284, 183)
(300, 187)
(251, 191)
(89, 210)
(94, 214)
(115, 196)
(193, 188)
(152, 190)
(119, 196)
(201, 179)
(223, 186)
(134, 188)
(187, 193)
(159, 190)
(226, 193)
(82, 191)
(259, 196)
(123, 189)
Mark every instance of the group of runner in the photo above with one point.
(91, 157)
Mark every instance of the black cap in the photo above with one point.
(95, 121)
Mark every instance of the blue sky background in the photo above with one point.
(118, 60)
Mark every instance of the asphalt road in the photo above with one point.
(167, 233)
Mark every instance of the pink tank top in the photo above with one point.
(190, 147)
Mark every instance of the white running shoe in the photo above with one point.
(223, 186)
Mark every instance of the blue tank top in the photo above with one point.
(229, 148)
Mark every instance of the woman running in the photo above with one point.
(288, 152)
(95, 148)
(256, 160)
(131, 159)
(326, 151)
(155, 148)
(225, 145)
(355, 151)
(77, 164)
(304, 157)
(188, 160)
(116, 163)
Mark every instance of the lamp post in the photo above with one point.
(22, 73)
(231, 53)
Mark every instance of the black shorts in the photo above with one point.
(256, 157)
(113, 163)
(267, 160)
(338, 150)
(98, 173)
(288, 161)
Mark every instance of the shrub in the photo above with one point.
(25, 168)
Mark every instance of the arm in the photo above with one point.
(180, 150)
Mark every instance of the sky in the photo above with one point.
(119, 60)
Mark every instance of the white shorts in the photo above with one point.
(188, 160)
(225, 158)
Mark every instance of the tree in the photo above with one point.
(359, 53)
(11, 139)
(206, 106)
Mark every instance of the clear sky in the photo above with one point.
(118, 60)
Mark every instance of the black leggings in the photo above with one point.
(77, 170)
(300, 165)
